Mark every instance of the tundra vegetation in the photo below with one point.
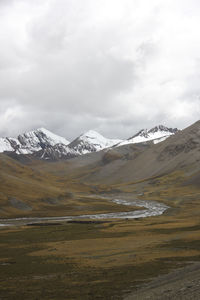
(98, 259)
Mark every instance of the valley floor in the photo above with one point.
(111, 259)
(108, 259)
(89, 260)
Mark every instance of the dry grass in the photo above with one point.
(92, 260)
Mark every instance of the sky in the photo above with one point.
(114, 66)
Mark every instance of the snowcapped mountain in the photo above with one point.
(91, 141)
(31, 142)
(157, 134)
(39, 139)
(44, 144)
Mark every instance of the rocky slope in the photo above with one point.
(134, 162)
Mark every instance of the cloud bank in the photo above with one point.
(112, 66)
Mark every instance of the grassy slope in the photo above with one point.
(24, 184)
(45, 194)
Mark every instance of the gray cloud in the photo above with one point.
(113, 66)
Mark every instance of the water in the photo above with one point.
(152, 208)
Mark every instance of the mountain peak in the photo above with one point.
(162, 128)
(41, 136)
(156, 134)
(92, 141)
(42, 129)
(91, 134)
(32, 141)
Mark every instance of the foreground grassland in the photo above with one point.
(102, 260)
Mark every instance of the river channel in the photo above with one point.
(151, 208)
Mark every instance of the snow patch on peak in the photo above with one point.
(32, 141)
(5, 145)
(55, 139)
(96, 138)
(157, 134)
(91, 133)
(92, 141)
(162, 139)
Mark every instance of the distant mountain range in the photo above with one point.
(152, 169)
(44, 144)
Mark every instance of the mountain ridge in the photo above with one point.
(44, 144)
(156, 134)
(136, 162)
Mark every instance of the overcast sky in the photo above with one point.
(114, 66)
